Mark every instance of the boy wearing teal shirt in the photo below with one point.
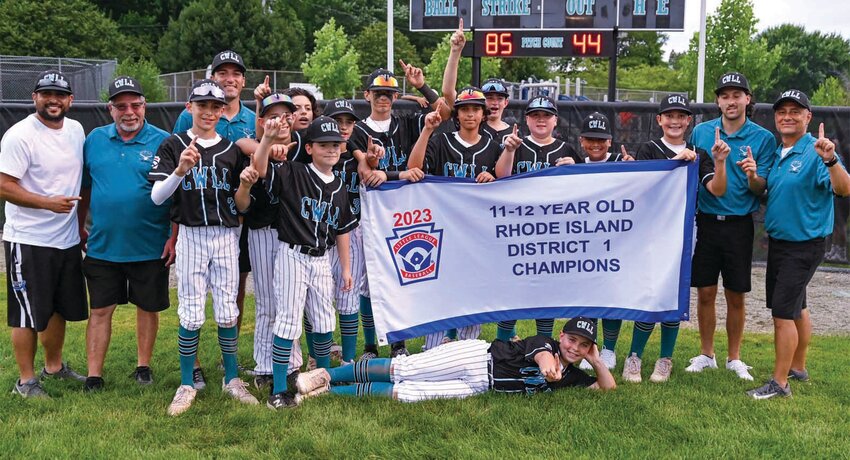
(725, 229)
(129, 249)
(805, 174)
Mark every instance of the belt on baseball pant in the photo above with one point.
(724, 218)
(307, 250)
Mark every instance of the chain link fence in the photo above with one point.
(88, 77)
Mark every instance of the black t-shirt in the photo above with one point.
(312, 213)
(514, 369)
(205, 196)
(531, 156)
(346, 171)
(658, 150)
(446, 156)
(397, 141)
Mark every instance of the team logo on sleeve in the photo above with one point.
(416, 252)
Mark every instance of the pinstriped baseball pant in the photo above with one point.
(304, 284)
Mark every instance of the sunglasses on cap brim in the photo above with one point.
(472, 95)
(541, 104)
(494, 87)
(384, 81)
(50, 82)
(206, 90)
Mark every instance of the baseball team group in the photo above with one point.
(96, 221)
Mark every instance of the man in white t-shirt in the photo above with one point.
(41, 162)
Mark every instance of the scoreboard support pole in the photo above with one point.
(476, 66)
(612, 68)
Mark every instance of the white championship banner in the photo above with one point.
(611, 240)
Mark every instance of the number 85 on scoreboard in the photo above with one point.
(517, 43)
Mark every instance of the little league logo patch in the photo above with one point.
(416, 252)
(796, 165)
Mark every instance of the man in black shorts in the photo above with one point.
(40, 171)
(129, 249)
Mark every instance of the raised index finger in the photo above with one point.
(266, 81)
(516, 129)
(716, 135)
(460, 25)
(403, 65)
(820, 132)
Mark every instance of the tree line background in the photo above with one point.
(335, 41)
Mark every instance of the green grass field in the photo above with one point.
(697, 416)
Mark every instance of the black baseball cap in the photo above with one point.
(596, 126)
(793, 95)
(52, 80)
(542, 104)
(470, 95)
(324, 129)
(228, 57)
(674, 102)
(732, 80)
(339, 106)
(125, 84)
(382, 80)
(206, 90)
(275, 99)
(495, 86)
(581, 326)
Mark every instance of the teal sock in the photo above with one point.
(452, 334)
(640, 336)
(504, 330)
(281, 352)
(611, 332)
(365, 389)
(370, 370)
(669, 333)
(348, 325)
(311, 340)
(545, 326)
(322, 348)
(369, 337)
(187, 345)
(227, 338)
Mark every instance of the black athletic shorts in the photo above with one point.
(244, 259)
(144, 284)
(724, 247)
(41, 281)
(790, 267)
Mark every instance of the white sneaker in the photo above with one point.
(299, 398)
(238, 390)
(336, 352)
(737, 366)
(663, 369)
(313, 380)
(182, 400)
(584, 365)
(609, 358)
(631, 369)
(701, 362)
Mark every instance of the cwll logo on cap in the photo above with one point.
(791, 93)
(229, 55)
(342, 105)
(596, 124)
(733, 78)
(124, 82)
(330, 128)
(676, 99)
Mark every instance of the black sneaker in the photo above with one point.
(769, 390)
(93, 384)
(198, 379)
(802, 376)
(283, 400)
(30, 389)
(399, 349)
(143, 375)
(64, 373)
(291, 379)
(263, 380)
(369, 352)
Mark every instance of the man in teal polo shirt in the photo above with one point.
(805, 172)
(724, 223)
(129, 249)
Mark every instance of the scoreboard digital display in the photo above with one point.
(523, 43)
(506, 15)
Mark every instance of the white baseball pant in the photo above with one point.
(348, 302)
(303, 284)
(454, 370)
(207, 260)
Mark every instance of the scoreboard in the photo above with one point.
(530, 43)
(507, 15)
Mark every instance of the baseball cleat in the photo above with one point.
(282, 400)
(198, 379)
(631, 369)
(400, 351)
(182, 400)
(663, 369)
(263, 380)
(609, 358)
(769, 390)
(299, 398)
(311, 364)
(309, 381)
(737, 366)
(64, 373)
(367, 355)
(701, 362)
(336, 351)
(238, 390)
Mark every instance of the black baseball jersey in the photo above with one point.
(611, 158)
(397, 142)
(298, 152)
(446, 156)
(264, 210)
(657, 150)
(514, 369)
(312, 213)
(205, 195)
(346, 171)
(497, 135)
(531, 156)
